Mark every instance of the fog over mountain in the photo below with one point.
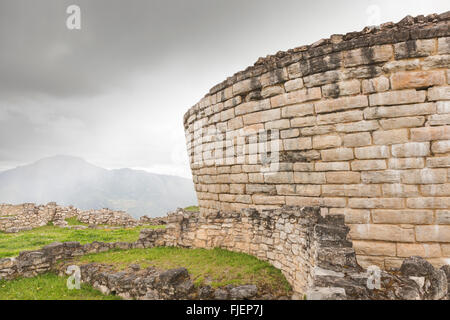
(73, 181)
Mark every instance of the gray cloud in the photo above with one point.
(115, 91)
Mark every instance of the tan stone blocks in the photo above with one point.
(443, 216)
(381, 232)
(399, 111)
(277, 124)
(343, 177)
(252, 106)
(303, 166)
(357, 126)
(261, 188)
(439, 93)
(404, 122)
(353, 216)
(293, 85)
(367, 261)
(368, 165)
(343, 88)
(235, 123)
(308, 190)
(400, 190)
(445, 250)
(368, 55)
(326, 141)
(417, 79)
(406, 250)
(263, 199)
(436, 190)
(303, 122)
(375, 248)
(297, 110)
(309, 177)
(402, 216)
(440, 146)
(390, 136)
(262, 116)
(433, 233)
(443, 107)
(331, 166)
(376, 203)
(271, 91)
(351, 190)
(425, 203)
(298, 96)
(289, 133)
(385, 176)
(339, 117)
(379, 84)
(372, 152)
(438, 120)
(279, 177)
(341, 104)
(430, 133)
(246, 85)
(238, 178)
(414, 48)
(357, 139)
(444, 45)
(338, 154)
(397, 97)
(438, 162)
(297, 143)
(402, 65)
(411, 149)
(424, 176)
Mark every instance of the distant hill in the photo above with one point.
(73, 181)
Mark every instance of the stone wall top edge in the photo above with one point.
(409, 28)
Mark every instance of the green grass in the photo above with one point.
(192, 209)
(75, 222)
(12, 243)
(216, 267)
(48, 287)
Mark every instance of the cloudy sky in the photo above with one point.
(115, 91)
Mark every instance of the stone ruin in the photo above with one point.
(311, 250)
(23, 217)
(358, 124)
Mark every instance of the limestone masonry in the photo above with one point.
(358, 124)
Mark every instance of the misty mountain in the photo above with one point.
(73, 181)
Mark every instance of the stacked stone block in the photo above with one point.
(362, 125)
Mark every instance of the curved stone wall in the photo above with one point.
(357, 124)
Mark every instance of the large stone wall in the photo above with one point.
(357, 124)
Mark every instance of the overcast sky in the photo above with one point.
(115, 91)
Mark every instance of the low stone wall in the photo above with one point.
(312, 251)
(159, 221)
(16, 218)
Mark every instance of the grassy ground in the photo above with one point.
(12, 243)
(216, 267)
(47, 287)
(192, 209)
